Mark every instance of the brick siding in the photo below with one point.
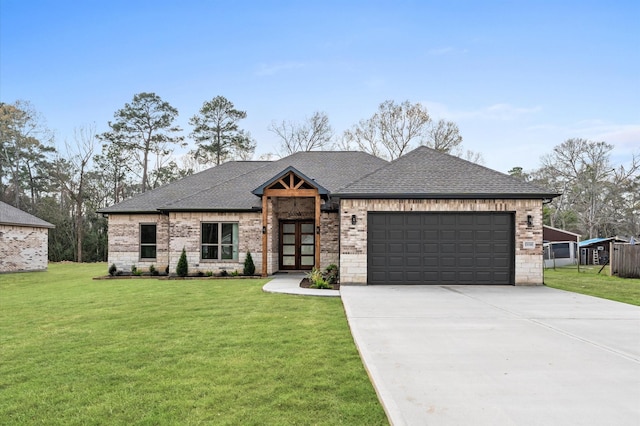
(23, 248)
(353, 238)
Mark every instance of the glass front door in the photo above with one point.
(297, 244)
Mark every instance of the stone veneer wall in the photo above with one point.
(185, 232)
(124, 241)
(23, 248)
(353, 238)
(184, 228)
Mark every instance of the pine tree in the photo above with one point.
(183, 268)
(249, 267)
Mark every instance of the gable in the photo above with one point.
(290, 179)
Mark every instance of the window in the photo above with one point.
(219, 241)
(561, 250)
(147, 241)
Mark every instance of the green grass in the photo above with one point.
(150, 352)
(588, 281)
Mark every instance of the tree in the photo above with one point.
(398, 128)
(217, 134)
(142, 128)
(182, 269)
(594, 192)
(24, 153)
(519, 173)
(75, 183)
(444, 136)
(392, 130)
(249, 266)
(314, 133)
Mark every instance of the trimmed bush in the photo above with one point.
(112, 269)
(249, 267)
(183, 267)
(332, 274)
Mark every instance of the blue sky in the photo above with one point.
(518, 77)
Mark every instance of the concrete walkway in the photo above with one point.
(497, 355)
(290, 284)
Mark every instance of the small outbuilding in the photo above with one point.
(595, 251)
(24, 240)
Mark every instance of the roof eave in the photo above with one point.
(447, 196)
(30, 225)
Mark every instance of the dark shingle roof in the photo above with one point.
(421, 173)
(230, 185)
(426, 173)
(329, 169)
(10, 215)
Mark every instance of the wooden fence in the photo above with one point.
(625, 261)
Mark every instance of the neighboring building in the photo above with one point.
(595, 251)
(560, 247)
(551, 234)
(560, 253)
(425, 218)
(24, 240)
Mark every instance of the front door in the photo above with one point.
(297, 244)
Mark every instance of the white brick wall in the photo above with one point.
(353, 238)
(184, 228)
(23, 248)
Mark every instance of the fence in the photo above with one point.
(625, 261)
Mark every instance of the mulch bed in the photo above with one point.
(307, 284)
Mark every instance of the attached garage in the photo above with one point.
(440, 248)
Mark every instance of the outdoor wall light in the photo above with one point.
(529, 221)
(318, 230)
(264, 229)
(354, 219)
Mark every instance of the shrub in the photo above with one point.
(166, 270)
(235, 273)
(249, 267)
(317, 280)
(183, 267)
(112, 269)
(153, 270)
(133, 269)
(223, 273)
(332, 274)
(209, 273)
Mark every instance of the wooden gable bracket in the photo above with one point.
(284, 185)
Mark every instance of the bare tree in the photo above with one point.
(444, 136)
(393, 130)
(593, 190)
(74, 178)
(314, 133)
(397, 128)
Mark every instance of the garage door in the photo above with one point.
(440, 248)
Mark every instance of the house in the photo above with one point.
(24, 240)
(425, 218)
(560, 247)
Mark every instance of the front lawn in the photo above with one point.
(588, 281)
(78, 351)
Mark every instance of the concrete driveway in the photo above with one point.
(497, 355)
